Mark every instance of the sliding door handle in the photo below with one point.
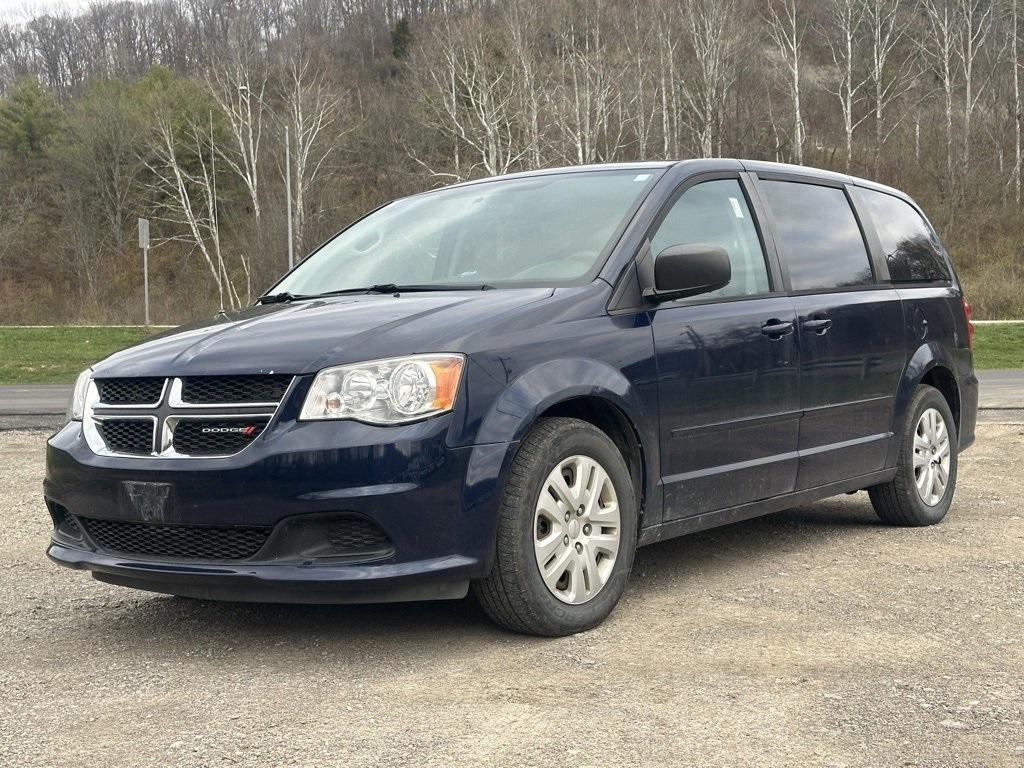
(819, 326)
(776, 329)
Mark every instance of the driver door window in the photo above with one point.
(716, 213)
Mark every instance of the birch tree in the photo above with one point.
(712, 37)
(315, 116)
(238, 88)
(974, 24)
(786, 31)
(185, 184)
(889, 82)
(841, 33)
(470, 95)
(939, 47)
(588, 98)
(1015, 70)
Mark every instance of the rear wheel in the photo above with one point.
(922, 491)
(566, 533)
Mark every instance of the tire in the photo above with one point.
(515, 594)
(899, 501)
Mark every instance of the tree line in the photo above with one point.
(178, 111)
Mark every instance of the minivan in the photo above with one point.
(508, 385)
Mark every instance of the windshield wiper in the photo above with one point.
(285, 296)
(393, 288)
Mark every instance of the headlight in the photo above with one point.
(76, 408)
(393, 391)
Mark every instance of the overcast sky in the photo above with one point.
(22, 9)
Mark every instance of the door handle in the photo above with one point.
(776, 329)
(819, 326)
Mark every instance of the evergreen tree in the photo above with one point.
(401, 38)
(28, 119)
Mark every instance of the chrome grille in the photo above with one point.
(199, 416)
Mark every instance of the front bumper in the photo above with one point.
(441, 578)
(437, 506)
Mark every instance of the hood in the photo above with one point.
(305, 336)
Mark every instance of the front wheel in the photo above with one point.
(566, 533)
(925, 481)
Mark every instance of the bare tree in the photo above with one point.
(975, 22)
(587, 96)
(886, 25)
(1015, 68)
(841, 32)
(939, 46)
(521, 20)
(470, 95)
(314, 114)
(238, 86)
(188, 198)
(713, 41)
(786, 30)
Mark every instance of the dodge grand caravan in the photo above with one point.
(511, 384)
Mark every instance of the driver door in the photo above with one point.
(727, 362)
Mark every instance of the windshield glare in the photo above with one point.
(540, 230)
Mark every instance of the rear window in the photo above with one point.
(908, 242)
(820, 239)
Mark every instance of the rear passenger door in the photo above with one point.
(850, 330)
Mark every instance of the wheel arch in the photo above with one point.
(929, 365)
(611, 420)
(592, 391)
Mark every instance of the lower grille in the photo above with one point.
(133, 436)
(357, 536)
(216, 437)
(194, 542)
(62, 519)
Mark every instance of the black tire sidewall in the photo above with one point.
(576, 439)
(928, 397)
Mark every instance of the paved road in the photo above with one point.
(30, 399)
(814, 637)
(999, 389)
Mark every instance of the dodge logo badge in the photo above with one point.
(247, 431)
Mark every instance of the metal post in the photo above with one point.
(144, 245)
(288, 171)
(145, 280)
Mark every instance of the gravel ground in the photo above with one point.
(812, 637)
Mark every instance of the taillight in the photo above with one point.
(968, 314)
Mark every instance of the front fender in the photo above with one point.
(550, 383)
(547, 384)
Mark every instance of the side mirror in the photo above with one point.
(689, 270)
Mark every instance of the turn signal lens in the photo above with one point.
(392, 391)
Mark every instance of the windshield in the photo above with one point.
(539, 230)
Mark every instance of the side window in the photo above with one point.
(716, 213)
(820, 240)
(909, 245)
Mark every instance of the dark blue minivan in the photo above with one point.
(508, 385)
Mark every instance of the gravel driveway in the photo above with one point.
(813, 637)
